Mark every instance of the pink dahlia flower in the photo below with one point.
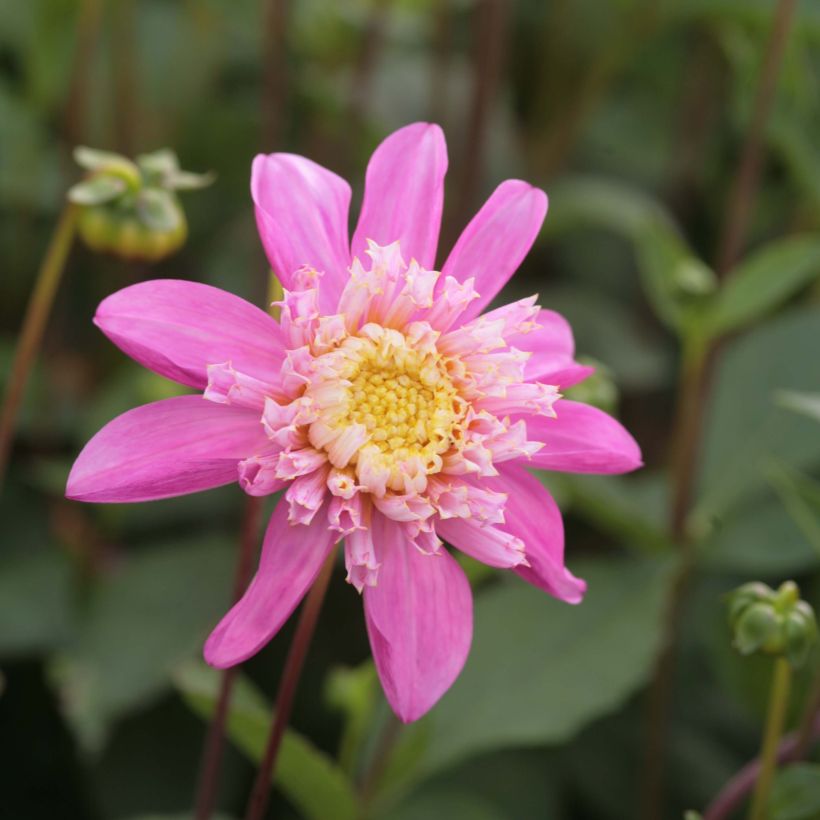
(389, 410)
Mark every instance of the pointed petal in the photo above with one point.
(301, 212)
(492, 545)
(419, 620)
(178, 328)
(496, 241)
(552, 347)
(404, 194)
(292, 556)
(582, 439)
(532, 515)
(171, 447)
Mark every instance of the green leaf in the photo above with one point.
(807, 404)
(306, 775)
(672, 275)
(745, 427)
(36, 601)
(764, 281)
(107, 162)
(159, 163)
(187, 181)
(540, 670)
(96, 190)
(140, 623)
(796, 793)
(158, 210)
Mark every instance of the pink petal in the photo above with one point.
(581, 439)
(171, 447)
(301, 212)
(491, 545)
(533, 516)
(404, 194)
(552, 347)
(496, 241)
(178, 328)
(291, 559)
(419, 620)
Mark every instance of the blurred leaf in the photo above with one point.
(629, 509)
(744, 426)
(763, 281)
(558, 667)
(36, 601)
(353, 692)
(155, 611)
(158, 210)
(452, 803)
(759, 539)
(796, 793)
(96, 190)
(310, 779)
(609, 332)
(671, 273)
(808, 404)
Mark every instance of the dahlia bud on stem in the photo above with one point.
(778, 623)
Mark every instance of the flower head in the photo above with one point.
(392, 413)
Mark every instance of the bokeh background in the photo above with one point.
(632, 115)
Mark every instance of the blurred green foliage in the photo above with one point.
(631, 115)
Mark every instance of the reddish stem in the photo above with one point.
(215, 742)
(308, 618)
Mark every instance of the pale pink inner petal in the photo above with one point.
(404, 194)
(178, 328)
(419, 620)
(301, 212)
(171, 447)
(291, 559)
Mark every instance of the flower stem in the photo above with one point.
(698, 361)
(34, 323)
(733, 793)
(215, 741)
(778, 701)
(287, 688)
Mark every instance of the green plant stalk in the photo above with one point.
(34, 323)
(778, 702)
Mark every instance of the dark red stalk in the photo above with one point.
(308, 618)
(697, 366)
(215, 741)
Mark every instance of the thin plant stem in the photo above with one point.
(746, 182)
(34, 324)
(698, 363)
(490, 24)
(810, 714)
(275, 81)
(287, 689)
(778, 703)
(380, 758)
(735, 790)
(87, 37)
(215, 742)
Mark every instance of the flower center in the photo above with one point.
(386, 406)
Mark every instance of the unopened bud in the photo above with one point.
(130, 208)
(775, 622)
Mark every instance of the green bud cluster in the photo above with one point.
(774, 622)
(130, 208)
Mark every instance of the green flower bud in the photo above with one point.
(772, 622)
(130, 209)
(756, 628)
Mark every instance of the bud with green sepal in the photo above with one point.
(774, 622)
(130, 208)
